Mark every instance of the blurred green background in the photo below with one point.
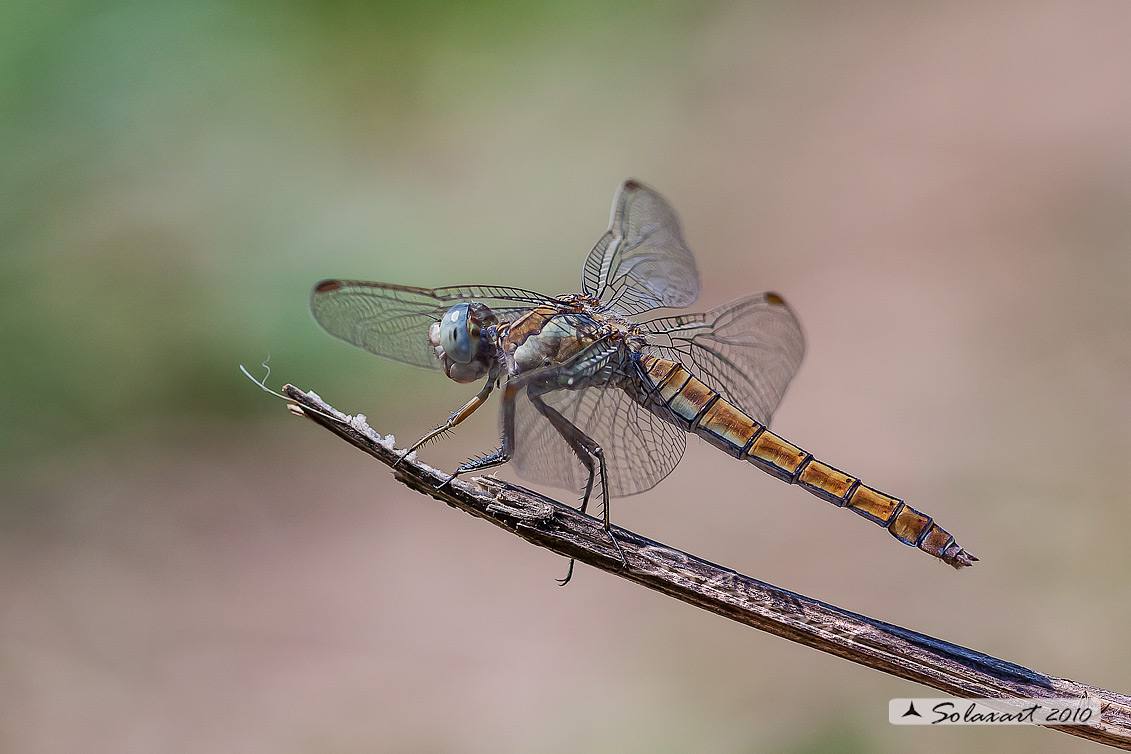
(943, 193)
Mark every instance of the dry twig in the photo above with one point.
(890, 649)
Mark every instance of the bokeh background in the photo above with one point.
(942, 191)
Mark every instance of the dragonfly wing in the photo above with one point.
(747, 350)
(640, 447)
(642, 262)
(393, 320)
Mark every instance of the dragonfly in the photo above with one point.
(595, 398)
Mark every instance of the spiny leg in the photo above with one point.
(490, 460)
(579, 449)
(586, 461)
(586, 448)
(504, 453)
(467, 410)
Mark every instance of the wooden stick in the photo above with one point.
(890, 649)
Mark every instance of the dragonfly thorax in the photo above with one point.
(459, 341)
(553, 335)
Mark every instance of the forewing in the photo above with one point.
(747, 350)
(640, 447)
(393, 320)
(642, 262)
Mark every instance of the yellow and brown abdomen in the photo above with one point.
(677, 395)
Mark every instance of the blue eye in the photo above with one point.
(459, 336)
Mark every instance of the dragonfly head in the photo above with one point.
(459, 342)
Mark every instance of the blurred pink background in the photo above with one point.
(942, 193)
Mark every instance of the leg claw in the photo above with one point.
(568, 576)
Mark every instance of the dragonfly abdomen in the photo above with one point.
(680, 397)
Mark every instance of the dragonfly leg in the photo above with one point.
(496, 458)
(571, 434)
(587, 449)
(467, 410)
(504, 453)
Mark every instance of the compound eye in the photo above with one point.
(459, 334)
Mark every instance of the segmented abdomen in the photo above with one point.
(677, 395)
